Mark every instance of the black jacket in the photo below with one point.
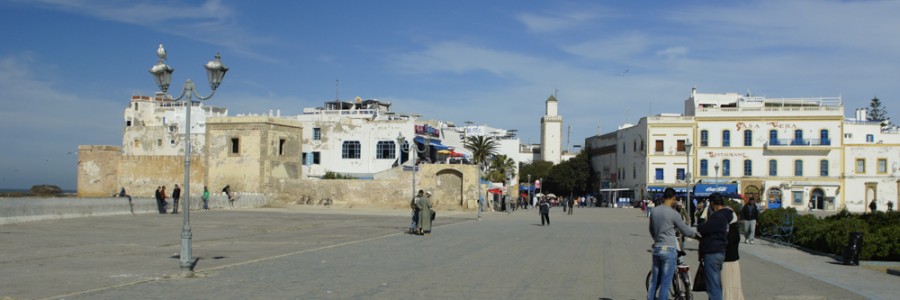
(734, 239)
(715, 231)
(749, 212)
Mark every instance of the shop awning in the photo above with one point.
(434, 142)
(727, 190)
(660, 189)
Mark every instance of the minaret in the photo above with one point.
(551, 132)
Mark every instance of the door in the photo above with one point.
(818, 198)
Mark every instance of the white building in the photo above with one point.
(551, 132)
(789, 152)
(155, 126)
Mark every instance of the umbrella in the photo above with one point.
(551, 195)
(456, 154)
(538, 195)
(445, 152)
(495, 191)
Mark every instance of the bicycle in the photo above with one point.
(681, 282)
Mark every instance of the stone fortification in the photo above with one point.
(98, 168)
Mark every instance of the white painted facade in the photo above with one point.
(788, 151)
(155, 126)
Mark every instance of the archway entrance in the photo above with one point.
(817, 197)
(448, 188)
(751, 192)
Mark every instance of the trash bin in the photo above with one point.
(854, 246)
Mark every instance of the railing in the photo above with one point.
(799, 142)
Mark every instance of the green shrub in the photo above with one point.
(810, 231)
(773, 218)
(333, 175)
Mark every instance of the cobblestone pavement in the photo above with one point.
(313, 253)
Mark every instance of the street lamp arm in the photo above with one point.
(213, 93)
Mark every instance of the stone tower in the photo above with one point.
(551, 132)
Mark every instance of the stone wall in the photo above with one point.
(98, 170)
(140, 175)
(25, 209)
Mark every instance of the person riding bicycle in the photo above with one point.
(663, 224)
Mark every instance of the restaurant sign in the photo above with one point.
(428, 130)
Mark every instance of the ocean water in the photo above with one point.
(8, 190)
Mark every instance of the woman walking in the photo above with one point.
(731, 269)
(424, 206)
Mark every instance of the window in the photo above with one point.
(679, 146)
(823, 168)
(798, 197)
(634, 171)
(135, 106)
(882, 166)
(659, 174)
(870, 138)
(623, 147)
(634, 147)
(315, 158)
(704, 167)
(281, 146)
(798, 168)
(679, 173)
(748, 138)
(137, 143)
(386, 150)
(823, 136)
(350, 150)
(773, 167)
(798, 137)
(235, 145)
(773, 137)
(704, 138)
(642, 145)
(726, 138)
(159, 143)
(128, 123)
(317, 134)
(748, 167)
(861, 166)
(726, 168)
(659, 145)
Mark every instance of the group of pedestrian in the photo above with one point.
(163, 205)
(422, 214)
(719, 234)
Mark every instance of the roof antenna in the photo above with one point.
(337, 90)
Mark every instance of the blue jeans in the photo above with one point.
(712, 265)
(664, 263)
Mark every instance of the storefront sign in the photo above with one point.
(428, 130)
(726, 154)
(781, 125)
(741, 126)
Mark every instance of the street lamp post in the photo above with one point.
(162, 73)
(400, 141)
(687, 175)
(530, 191)
(717, 176)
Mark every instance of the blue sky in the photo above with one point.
(69, 67)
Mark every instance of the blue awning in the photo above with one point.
(660, 189)
(727, 190)
(435, 143)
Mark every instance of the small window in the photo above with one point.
(870, 138)
(704, 138)
(281, 146)
(773, 167)
(798, 168)
(659, 146)
(773, 137)
(135, 106)
(823, 168)
(634, 147)
(172, 142)
(748, 138)
(350, 150)
(317, 134)
(823, 136)
(235, 145)
(882, 166)
(386, 150)
(315, 158)
(798, 198)
(642, 145)
(623, 147)
(137, 143)
(679, 146)
(659, 174)
(159, 143)
(679, 173)
(861, 166)
(726, 168)
(704, 167)
(798, 138)
(748, 167)
(726, 138)
(128, 123)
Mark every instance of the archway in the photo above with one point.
(448, 188)
(751, 192)
(817, 197)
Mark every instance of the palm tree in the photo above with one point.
(502, 168)
(483, 148)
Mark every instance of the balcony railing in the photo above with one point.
(799, 142)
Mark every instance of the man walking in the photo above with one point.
(571, 205)
(414, 226)
(714, 243)
(749, 214)
(545, 212)
(663, 223)
(176, 194)
(159, 201)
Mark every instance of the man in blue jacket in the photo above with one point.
(713, 244)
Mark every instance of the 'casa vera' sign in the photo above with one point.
(725, 154)
(778, 125)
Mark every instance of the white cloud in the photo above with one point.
(619, 48)
(545, 23)
(673, 52)
(211, 22)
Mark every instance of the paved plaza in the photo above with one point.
(302, 252)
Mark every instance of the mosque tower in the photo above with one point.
(551, 132)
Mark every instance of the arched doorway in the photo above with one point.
(817, 197)
(774, 198)
(448, 188)
(751, 192)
